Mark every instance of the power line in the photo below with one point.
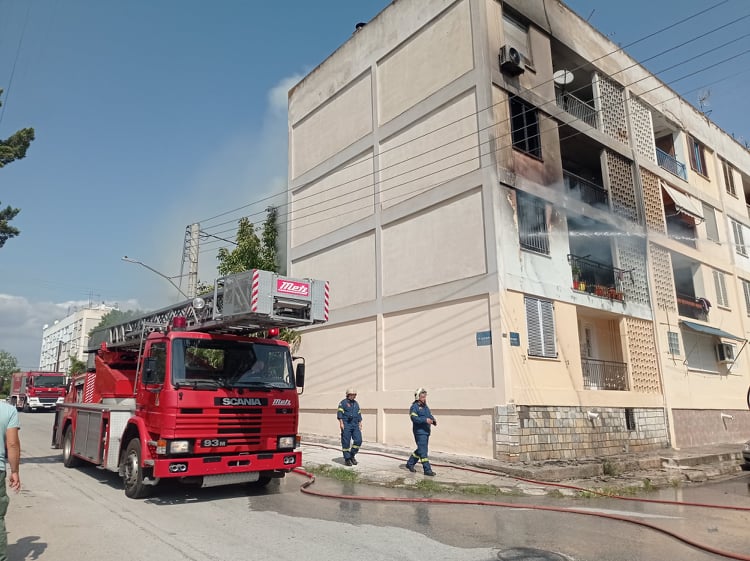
(476, 113)
(15, 60)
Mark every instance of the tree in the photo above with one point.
(11, 149)
(76, 366)
(254, 252)
(8, 365)
(113, 317)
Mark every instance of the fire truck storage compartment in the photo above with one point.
(89, 437)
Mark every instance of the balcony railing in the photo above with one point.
(588, 191)
(604, 374)
(671, 164)
(576, 107)
(598, 279)
(692, 307)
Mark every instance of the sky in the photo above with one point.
(153, 115)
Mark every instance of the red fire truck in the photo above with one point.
(190, 392)
(30, 391)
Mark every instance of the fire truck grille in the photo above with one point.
(238, 426)
(48, 399)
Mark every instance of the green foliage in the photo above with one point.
(76, 366)
(8, 365)
(113, 317)
(12, 148)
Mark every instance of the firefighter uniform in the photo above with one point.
(349, 414)
(419, 413)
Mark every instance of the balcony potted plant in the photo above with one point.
(576, 270)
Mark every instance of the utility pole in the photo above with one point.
(190, 254)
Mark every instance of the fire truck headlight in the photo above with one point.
(179, 447)
(286, 443)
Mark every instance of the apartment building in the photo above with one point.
(517, 216)
(69, 337)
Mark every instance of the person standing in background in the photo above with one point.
(350, 423)
(422, 423)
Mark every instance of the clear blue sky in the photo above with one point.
(153, 115)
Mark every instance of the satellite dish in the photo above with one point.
(563, 77)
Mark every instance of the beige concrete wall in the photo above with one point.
(332, 127)
(348, 267)
(333, 201)
(426, 62)
(425, 250)
(431, 151)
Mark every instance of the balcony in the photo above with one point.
(671, 164)
(576, 107)
(604, 374)
(692, 307)
(588, 191)
(598, 279)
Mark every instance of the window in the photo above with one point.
(159, 354)
(524, 123)
(532, 223)
(540, 324)
(700, 352)
(746, 291)
(739, 238)
(673, 339)
(517, 34)
(697, 155)
(712, 228)
(629, 418)
(728, 178)
(721, 289)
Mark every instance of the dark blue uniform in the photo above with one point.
(348, 412)
(419, 413)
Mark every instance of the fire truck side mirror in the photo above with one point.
(149, 370)
(300, 375)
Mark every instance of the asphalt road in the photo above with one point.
(83, 514)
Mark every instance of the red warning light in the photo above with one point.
(179, 322)
(273, 332)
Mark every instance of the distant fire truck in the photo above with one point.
(190, 392)
(30, 391)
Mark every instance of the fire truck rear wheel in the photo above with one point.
(132, 472)
(69, 460)
(263, 480)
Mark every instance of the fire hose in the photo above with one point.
(306, 488)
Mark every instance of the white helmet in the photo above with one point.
(419, 391)
(350, 391)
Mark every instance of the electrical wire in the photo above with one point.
(15, 60)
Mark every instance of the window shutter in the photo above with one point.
(540, 324)
(721, 289)
(746, 290)
(712, 229)
(739, 238)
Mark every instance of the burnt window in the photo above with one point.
(532, 223)
(524, 122)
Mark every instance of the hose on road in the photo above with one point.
(306, 489)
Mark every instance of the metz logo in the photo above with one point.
(282, 402)
(253, 401)
(293, 287)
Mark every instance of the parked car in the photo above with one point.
(746, 453)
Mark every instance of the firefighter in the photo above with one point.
(350, 423)
(422, 423)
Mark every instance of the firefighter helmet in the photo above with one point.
(351, 391)
(419, 391)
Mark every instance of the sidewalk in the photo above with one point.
(627, 473)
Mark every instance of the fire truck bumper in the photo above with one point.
(250, 464)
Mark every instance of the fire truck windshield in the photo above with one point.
(49, 381)
(208, 363)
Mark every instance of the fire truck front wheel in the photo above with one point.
(132, 472)
(69, 460)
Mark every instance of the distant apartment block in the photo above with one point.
(516, 215)
(69, 337)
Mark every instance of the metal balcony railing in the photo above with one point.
(588, 191)
(692, 307)
(576, 107)
(671, 164)
(598, 279)
(604, 374)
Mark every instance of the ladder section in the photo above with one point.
(241, 303)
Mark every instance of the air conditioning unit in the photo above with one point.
(725, 353)
(511, 61)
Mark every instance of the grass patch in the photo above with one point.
(609, 468)
(430, 486)
(337, 473)
(555, 493)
